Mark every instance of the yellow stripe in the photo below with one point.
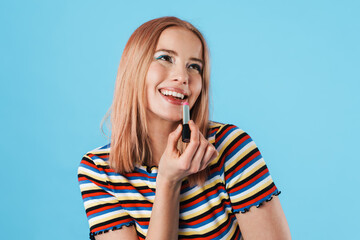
(238, 158)
(203, 208)
(212, 226)
(102, 219)
(81, 171)
(230, 139)
(246, 175)
(139, 197)
(99, 151)
(87, 204)
(255, 191)
(200, 190)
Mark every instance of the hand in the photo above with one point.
(198, 154)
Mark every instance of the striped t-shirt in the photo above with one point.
(238, 180)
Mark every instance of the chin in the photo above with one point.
(165, 116)
(172, 119)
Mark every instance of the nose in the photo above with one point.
(180, 73)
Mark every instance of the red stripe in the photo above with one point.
(95, 194)
(88, 164)
(86, 179)
(216, 234)
(237, 144)
(138, 205)
(220, 164)
(109, 170)
(212, 236)
(99, 156)
(262, 173)
(136, 174)
(235, 171)
(102, 209)
(111, 187)
(219, 137)
(102, 227)
(205, 218)
(213, 130)
(211, 193)
(256, 199)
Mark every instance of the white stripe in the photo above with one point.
(91, 202)
(258, 185)
(248, 169)
(212, 181)
(205, 206)
(238, 153)
(206, 226)
(99, 176)
(99, 218)
(231, 230)
(134, 213)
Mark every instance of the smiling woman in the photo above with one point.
(175, 71)
(147, 183)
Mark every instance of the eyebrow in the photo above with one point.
(175, 53)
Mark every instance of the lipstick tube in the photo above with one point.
(186, 117)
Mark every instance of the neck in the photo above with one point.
(158, 133)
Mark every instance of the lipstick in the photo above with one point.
(186, 117)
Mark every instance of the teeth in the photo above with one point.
(171, 93)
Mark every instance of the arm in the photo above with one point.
(164, 219)
(102, 208)
(173, 168)
(249, 183)
(265, 222)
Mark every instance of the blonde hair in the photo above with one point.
(130, 144)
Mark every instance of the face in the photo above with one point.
(174, 76)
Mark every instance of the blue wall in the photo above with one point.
(285, 72)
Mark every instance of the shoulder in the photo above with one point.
(225, 133)
(236, 148)
(99, 155)
(94, 163)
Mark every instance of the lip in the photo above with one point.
(174, 101)
(179, 90)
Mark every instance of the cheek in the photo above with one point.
(197, 88)
(154, 74)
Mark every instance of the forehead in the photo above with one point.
(180, 40)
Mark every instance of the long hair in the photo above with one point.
(130, 144)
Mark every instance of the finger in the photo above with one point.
(194, 129)
(174, 137)
(209, 156)
(199, 156)
(194, 141)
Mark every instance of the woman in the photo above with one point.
(150, 185)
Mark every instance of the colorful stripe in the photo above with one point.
(238, 180)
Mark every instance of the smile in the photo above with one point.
(173, 97)
(174, 94)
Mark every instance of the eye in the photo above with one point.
(165, 58)
(196, 67)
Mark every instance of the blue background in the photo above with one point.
(285, 72)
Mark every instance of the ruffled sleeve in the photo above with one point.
(247, 178)
(103, 210)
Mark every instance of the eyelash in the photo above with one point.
(169, 59)
(163, 56)
(197, 67)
